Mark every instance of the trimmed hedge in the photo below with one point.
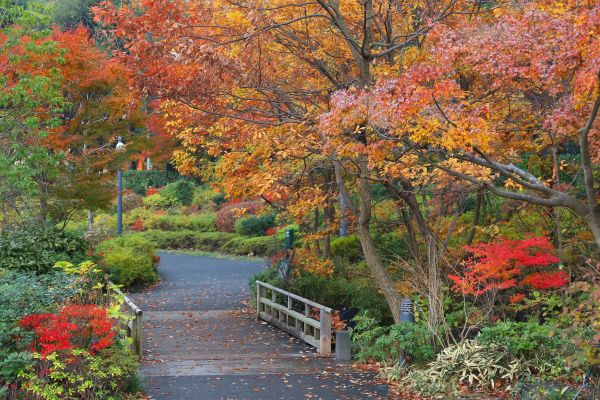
(224, 242)
(179, 240)
(200, 222)
(258, 246)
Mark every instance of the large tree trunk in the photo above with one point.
(363, 220)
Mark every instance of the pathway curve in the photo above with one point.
(201, 341)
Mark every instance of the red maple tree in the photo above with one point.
(507, 264)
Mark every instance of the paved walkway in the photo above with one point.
(203, 342)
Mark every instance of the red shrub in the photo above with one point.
(271, 231)
(138, 225)
(151, 191)
(507, 264)
(75, 326)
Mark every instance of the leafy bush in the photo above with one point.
(92, 376)
(203, 241)
(203, 198)
(231, 212)
(75, 351)
(543, 347)
(219, 199)
(258, 246)
(37, 248)
(467, 363)
(182, 190)
(411, 340)
(129, 260)
(254, 225)
(158, 201)
(200, 222)
(347, 248)
(25, 293)
(139, 181)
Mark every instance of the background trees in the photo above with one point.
(436, 104)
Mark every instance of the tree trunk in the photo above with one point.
(434, 252)
(363, 220)
(476, 215)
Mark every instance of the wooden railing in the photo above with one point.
(134, 323)
(293, 314)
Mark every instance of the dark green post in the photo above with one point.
(289, 239)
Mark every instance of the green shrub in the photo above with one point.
(182, 190)
(191, 240)
(544, 347)
(389, 344)
(139, 181)
(258, 246)
(203, 198)
(347, 248)
(338, 290)
(158, 201)
(129, 260)
(253, 225)
(25, 293)
(219, 199)
(37, 248)
(200, 222)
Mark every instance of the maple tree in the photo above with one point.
(64, 103)
(508, 264)
(248, 82)
(302, 103)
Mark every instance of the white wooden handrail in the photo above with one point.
(134, 323)
(316, 332)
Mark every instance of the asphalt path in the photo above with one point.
(202, 341)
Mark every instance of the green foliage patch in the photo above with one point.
(181, 190)
(37, 248)
(347, 248)
(129, 260)
(254, 225)
(140, 181)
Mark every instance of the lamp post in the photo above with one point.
(120, 147)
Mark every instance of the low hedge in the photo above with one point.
(179, 240)
(224, 242)
(129, 260)
(200, 222)
(258, 246)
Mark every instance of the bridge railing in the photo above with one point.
(133, 328)
(295, 315)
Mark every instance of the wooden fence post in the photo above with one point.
(258, 295)
(325, 333)
(138, 333)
